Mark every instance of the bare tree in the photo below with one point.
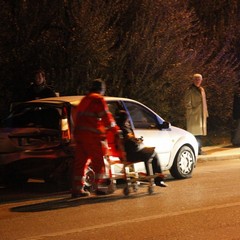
(145, 49)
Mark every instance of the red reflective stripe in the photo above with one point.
(93, 115)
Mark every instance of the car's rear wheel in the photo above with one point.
(183, 164)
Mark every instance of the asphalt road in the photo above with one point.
(206, 206)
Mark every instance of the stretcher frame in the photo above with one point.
(131, 177)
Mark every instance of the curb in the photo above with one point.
(220, 153)
(218, 158)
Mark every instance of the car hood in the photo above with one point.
(21, 139)
(180, 135)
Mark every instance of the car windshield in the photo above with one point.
(33, 116)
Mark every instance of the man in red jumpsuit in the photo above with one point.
(92, 121)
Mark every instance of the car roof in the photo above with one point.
(74, 100)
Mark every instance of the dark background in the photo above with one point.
(144, 49)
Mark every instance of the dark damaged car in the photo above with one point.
(35, 143)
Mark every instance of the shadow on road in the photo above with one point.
(66, 202)
(53, 197)
(29, 191)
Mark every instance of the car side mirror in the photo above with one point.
(164, 125)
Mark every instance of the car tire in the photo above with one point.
(183, 164)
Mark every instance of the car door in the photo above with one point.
(146, 124)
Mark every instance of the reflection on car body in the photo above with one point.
(36, 140)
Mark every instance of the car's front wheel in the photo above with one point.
(183, 164)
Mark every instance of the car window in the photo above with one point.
(142, 118)
(114, 107)
(34, 116)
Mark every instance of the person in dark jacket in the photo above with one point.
(39, 88)
(136, 151)
(236, 116)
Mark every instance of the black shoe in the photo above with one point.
(161, 184)
(80, 194)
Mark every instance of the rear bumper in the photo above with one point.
(33, 164)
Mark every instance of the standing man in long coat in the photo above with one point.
(196, 109)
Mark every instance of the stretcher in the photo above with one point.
(117, 167)
(132, 174)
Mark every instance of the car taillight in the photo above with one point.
(66, 137)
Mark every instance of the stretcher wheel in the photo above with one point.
(135, 187)
(150, 190)
(89, 177)
(111, 187)
(126, 191)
